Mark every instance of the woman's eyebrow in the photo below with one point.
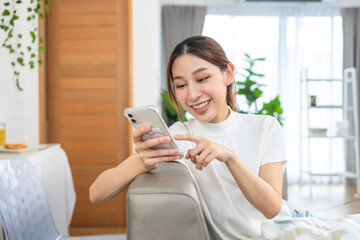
(199, 70)
(194, 72)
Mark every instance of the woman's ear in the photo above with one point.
(229, 74)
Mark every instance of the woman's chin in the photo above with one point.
(203, 117)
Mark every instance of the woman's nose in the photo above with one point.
(194, 92)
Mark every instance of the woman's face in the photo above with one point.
(200, 87)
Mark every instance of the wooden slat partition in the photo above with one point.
(88, 89)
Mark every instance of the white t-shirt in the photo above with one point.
(256, 139)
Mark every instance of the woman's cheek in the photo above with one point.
(181, 97)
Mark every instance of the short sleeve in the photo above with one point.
(273, 148)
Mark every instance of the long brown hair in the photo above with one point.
(207, 49)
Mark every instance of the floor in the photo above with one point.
(324, 201)
(81, 231)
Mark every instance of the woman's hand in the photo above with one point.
(205, 151)
(151, 158)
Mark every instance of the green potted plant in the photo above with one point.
(251, 90)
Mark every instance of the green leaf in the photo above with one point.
(11, 50)
(241, 92)
(258, 74)
(257, 93)
(6, 13)
(33, 55)
(29, 9)
(41, 15)
(41, 40)
(18, 1)
(42, 49)
(10, 35)
(6, 4)
(40, 61)
(29, 48)
(4, 27)
(19, 45)
(32, 34)
(15, 17)
(28, 19)
(240, 83)
(47, 7)
(13, 64)
(19, 35)
(20, 60)
(273, 108)
(167, 103)
(18, 84)
(31, 63)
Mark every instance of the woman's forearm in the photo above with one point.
(257, 191)
(113, 181)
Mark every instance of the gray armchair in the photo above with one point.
(163, 204)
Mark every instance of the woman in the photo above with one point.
(236, 159)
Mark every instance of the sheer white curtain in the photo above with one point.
(291, 39)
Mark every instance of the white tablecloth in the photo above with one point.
(54, 171)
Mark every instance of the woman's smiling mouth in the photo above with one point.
(201, 107)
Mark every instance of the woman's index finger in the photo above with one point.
(187, 137)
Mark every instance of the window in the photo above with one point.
(290, 40)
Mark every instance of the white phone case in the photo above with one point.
(140, 116)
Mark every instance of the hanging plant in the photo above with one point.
(24, 53)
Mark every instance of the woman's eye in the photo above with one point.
(180, 86)
(202, 79)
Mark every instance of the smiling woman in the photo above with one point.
(236, 159)
(201, 88)
(209, 70)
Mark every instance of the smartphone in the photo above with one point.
(140, 116)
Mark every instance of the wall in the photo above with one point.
(146, 52)
(19, 109)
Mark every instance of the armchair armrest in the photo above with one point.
(163, 204)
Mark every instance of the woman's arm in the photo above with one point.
(264, 192)
(113, 181)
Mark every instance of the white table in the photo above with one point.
(53, 168)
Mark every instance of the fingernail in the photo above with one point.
(176, 151)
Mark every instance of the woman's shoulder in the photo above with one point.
(255, 118)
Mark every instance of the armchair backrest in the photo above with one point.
(23, 208)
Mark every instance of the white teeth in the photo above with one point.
(201, 105)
